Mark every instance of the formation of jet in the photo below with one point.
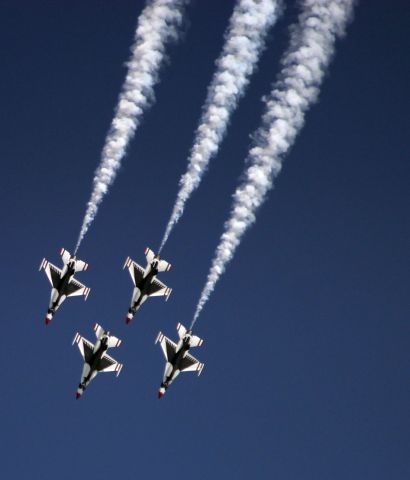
(95, 357)
(177, 356)
(146, 283)
(63, 283)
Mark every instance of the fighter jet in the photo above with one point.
(63, 283)
(145, 282)
(177, 357)
(95, 356)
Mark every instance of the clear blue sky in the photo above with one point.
(307, 335)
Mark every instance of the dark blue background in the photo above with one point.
(307, 335)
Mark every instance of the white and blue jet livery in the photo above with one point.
(146, 283)
(63, 283)
(177, 356)
(95, 356)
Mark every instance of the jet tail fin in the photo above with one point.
(163, 265)
(194, 341)
(112, 341)
(80, 266)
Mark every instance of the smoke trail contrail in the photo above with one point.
(303, 67)
(244, 41)
(157, 25)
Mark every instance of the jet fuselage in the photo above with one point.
(66, 277)
(98, 352)
(143, 286)
(90, 369)
(175, 362)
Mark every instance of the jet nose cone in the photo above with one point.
(77, 395)
(47, 320)
(161, 392)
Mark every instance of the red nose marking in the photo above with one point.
(160, 394)
(77, 395)
(127, 320)
(47, 321)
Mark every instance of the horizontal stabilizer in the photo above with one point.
(195, 341)
(181, 330)
(80, 266)
(114, 342)
(99, 331)
(65, 255)
(149, 254)
(163, 265)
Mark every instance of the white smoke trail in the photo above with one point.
(244, 42)
(157, 25)
(303, 67)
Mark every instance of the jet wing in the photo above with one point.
(159, 289)
(167, 345)
(108, 364)
(86, 348)
(190, 364)
(53, 273)
(136, 271)
(75, 288)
